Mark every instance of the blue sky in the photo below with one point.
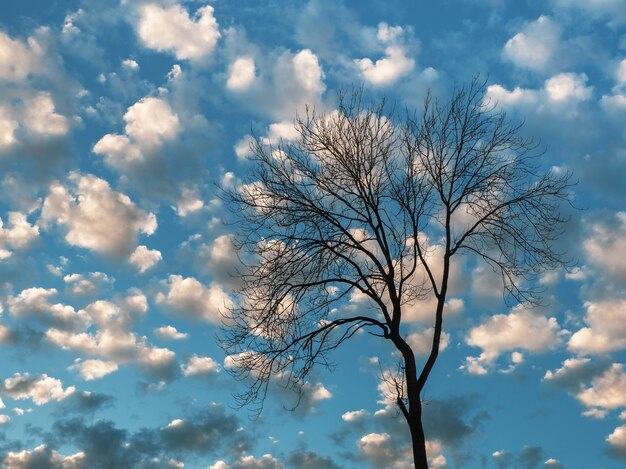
(118, 120)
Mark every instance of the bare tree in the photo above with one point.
(345, 209)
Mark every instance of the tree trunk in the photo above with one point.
(418, 439)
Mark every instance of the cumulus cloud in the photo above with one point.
(19, 234)
(95, 216)
(200, 366)
(560, 94)
(143, 258)
(604, 240)
(41, 389)
(19, 59)
(86, 284)
(241, 73)
(574, 373)
(171, 29)
(112, 340)
(191, 298)
(42, 456)
(94, 369)
(150, 122)
(617, 442)
(393, 65)
(606, 328)
(421, 341)
(519, 330)
(267, 461)
(36, 303)
(535, 46)
(607, 391)
(169, 333)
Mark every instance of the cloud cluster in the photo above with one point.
(171, 29)
(188, 297)
(518, 330)
(41, 389)
(95, 216)
(394, 65)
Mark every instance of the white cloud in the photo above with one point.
(197, 366)
(94, 369)
(130, 64)
(568, 87)
(606, 331)
(4, 419)
(308, 72)
(169, 333)
(519, 330)
(535, 46)
(41, 456)
(19, 233)
(241, 73)
(40, 116)
(150, 122)
(86, 284)
(18, 59)
(191, 298)
(605, 240)
(560, 94)
(143, 258)
(41, 389)
(607, 391)
(354, 415)
(421, 341)
(617, 440)
(394, 65)
(267, 461)
(36, 302)
(382, 451)
(96, 217)
(170, 29)
(189, 202)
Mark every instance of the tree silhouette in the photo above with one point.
(348, 208)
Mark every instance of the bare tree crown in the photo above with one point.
(351, 207)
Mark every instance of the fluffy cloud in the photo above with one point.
(382, 451)
(170, 29)
(95, 216)
(421, 341)
(200, 366)
(94, 369)
(393, 65)
(560, 93)
(604, 241)
(37, 303)
(149, 123)
(191, 298)
(241, 73)
(18, 60)
(42, 456)
(607, 391)
(87, 284)
(535, 46)
(617, 441)
(606, 329)
(143, 258)
(113, 341)
(267, 461)
(41, 388)
(169, 333)
(519, 330)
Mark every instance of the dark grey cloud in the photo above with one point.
(310, 460)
